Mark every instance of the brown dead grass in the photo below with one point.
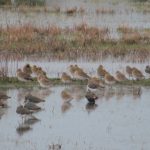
(105, 11)
(71, 43)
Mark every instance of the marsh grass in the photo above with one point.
(26, 9)
(131, 36)
(72, 43)
(141, 5)
(125, 29)
(105, 11)
(71, 11)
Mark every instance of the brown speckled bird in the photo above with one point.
(95, 83)
(44, 81)
(120, 76)
(101, 71)
(27, 69)
(65, 78)
(109, 79)
(129, 71)
(72, 70)
(22, 76)
(80, 74)
(137, 74)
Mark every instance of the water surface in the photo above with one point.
(120, 117)
(124, 14)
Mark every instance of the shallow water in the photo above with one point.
(124, 14)
(54, 69)
(120, 118)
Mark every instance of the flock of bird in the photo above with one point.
(77, 72)
(103, 78)
(24, 75)
(99, 81)
(96, 83)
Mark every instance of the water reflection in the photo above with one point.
(120, 93)
(4, 98)
(137, 92)
(22, 93)
(66, 95)
(109, 93)
(66, 107)
(28, 106)
(112, 105)
(23, 128)
(41, 93)
(133, 91)
(31, 120)
(55, 147)
(90, 107)
(2, 112)
(78, 91)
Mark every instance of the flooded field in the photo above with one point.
(40, 44)
(120, 117)
(97, 13)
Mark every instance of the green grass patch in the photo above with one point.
(30, 2)
(13, 82)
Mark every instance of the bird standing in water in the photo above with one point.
(91, 97)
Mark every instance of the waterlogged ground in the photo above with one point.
(119, 120)
(123, 13)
